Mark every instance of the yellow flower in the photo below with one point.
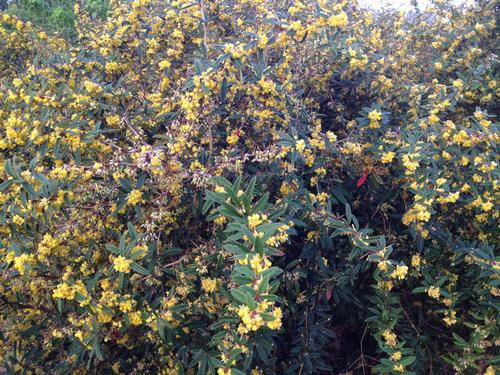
(18, 220)
(134, 197)
(164, 64)
(415, 261)
(338, 20)
(450, 318)
(92, 87)
(399, 368)
(113, 120)
(250, 318)
(209, 285)
(300, 146)
(259, 263)
(276, 323)
(434, 292)
(458, 83)
(232, 139)
(375, 115)
(433, 119)
(220, 220)
(387, 157)
(122, 264)
(385, 285)
(64, 291)
(263, 40)
(396, 356)
(400, 272)
(331, 136)
(409, 164)
(254, 221)
(389, 337)
(135, 318)
(79, 335)
(127, 305)
(383, 265)
(21, 261)
(112, 67)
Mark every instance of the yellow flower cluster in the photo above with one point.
(256, 219)
(338, 20)
(21, 263)
(122, 264)
(387, 157)
(374, 116)
(252, 319)
(134, 197)
(389, 337)
(399, 272)
(209, 285)
(434, 292)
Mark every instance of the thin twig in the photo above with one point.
(361, 347)
(407, 317)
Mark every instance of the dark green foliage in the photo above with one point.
(54, 16)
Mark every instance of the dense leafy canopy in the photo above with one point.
(250, 186)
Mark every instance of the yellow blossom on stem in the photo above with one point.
(400, 272)
(134, 197)
(434, 292)
(122, 264)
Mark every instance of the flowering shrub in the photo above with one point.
(233, 187)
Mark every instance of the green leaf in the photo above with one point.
(234, 197)
(245, 271)
(97, 350)
(215, 197)
(259, 245)
(208, 204)
(126, 185)
(239, 296)
(229, 210)
(29, 188)
(131, 230)
(261, 204)
(408, 361)
(223, 91)
(250, 188)
(246, 203)
(122, 245)
(420, 289)
(219, 180)
(140, 269)
(173, 251)
(114, 249)
(236, 248)
(269, 229)
(272, 272)
(136, 254)
(348, 213)
(92, 282)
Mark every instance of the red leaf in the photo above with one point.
(362, 179)
(329, 292)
